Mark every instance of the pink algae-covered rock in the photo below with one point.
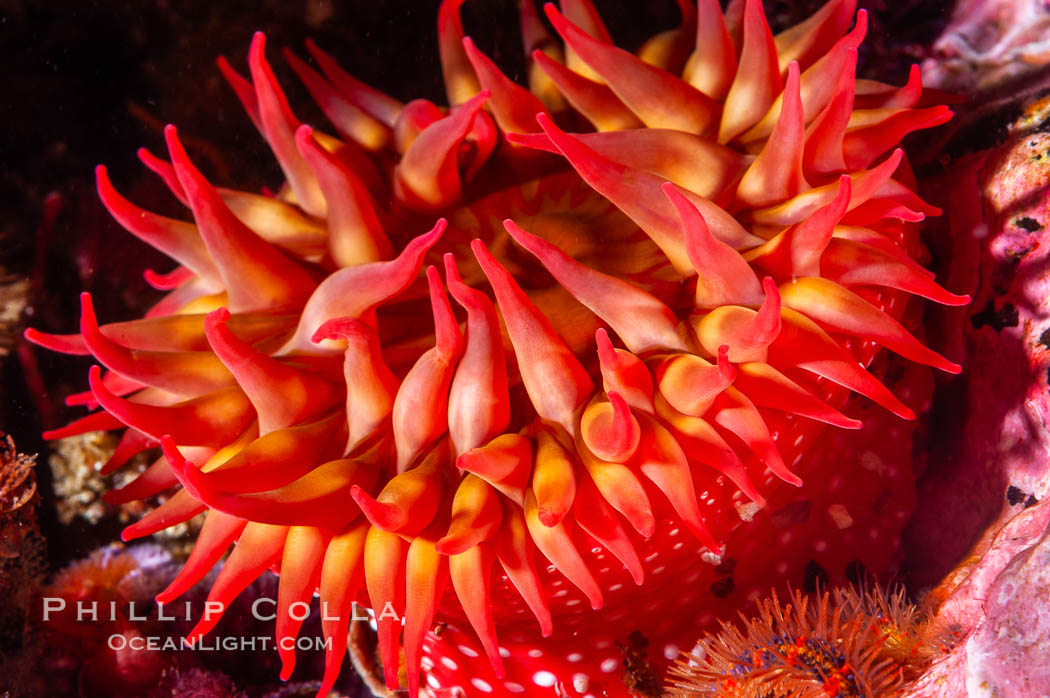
(989, 473)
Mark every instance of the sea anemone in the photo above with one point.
(668, 271)
(844, 644)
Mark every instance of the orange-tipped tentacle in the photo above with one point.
(622, 489)
(470, 573)
(597, 519)
(747, 332)
(841, 310)
(553, 478)
(476, 516)
(255, 274)
(278, 127)
(712, 66)
(355, 234)
(514, 548)
(280, 457)
(216, 535)
(703, 444)
(304, 550)
(282, 396)
(757, 81)
(212, 420)
(409, 501)
(505, 463)
(426, 574)
(661, 459)
(624, 373)
(798, 250)
(420, 413)
(555, 542)
(556, 381)
(723, 276)
(370, 385)
(385, 555)
(777, 174)
(428, 177)
(258, 547)
(658, 98)
(354, 291)
(478, 402)
(641, 320)
(609, 430)
(342, 572)
(690, 383)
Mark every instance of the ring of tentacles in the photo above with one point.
(654, 280)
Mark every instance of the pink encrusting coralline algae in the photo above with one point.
(549, 365)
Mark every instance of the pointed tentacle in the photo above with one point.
(258, 547)
(514, 548)
(420, 413)
(624, 373)
(553, 478)
(342, 572)
(505, 463)
(476, 516)
(470, 572)
(355, 235)
(556, 381)
(282, 396)
(641, 320)
(255, 274)
(385, 555)
(555, 542)
(409, 501)
(598, 520)
(354, 291)
(212, 420)
(844, 311)
(478, 401)
(301, 561)
(278, 127)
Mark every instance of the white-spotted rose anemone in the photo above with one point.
(593, 397)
